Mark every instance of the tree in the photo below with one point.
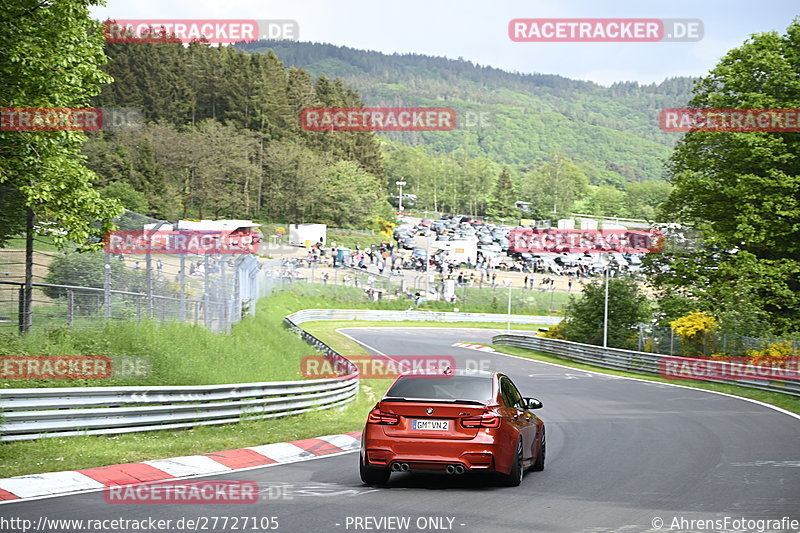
(52, 53)
(348, 196)
(743, 189)
(293, 172)
(555, 186)
(127, 196)
(605, 201)
(502, 203)
(627, 308)
(643, 199)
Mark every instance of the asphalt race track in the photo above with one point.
(622, 455)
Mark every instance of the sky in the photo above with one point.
(476, 30)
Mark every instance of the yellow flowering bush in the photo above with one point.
(695, 330)
(694, 325)
(773, 351)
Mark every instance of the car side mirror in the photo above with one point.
(532, 403)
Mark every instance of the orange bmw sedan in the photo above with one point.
(453, 422)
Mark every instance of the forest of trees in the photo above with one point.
(554, 186)
(611, 131)
(221, 139)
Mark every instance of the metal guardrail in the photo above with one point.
(614, 358)
(64, 412)
(70, 411)
(310, 315)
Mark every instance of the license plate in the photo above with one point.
(435, 425)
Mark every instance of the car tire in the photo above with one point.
(514, 478)
(372, 475)
(538, 465)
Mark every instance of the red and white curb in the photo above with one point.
(479, 347)
(55, 483)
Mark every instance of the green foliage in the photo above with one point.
(129, 197)
(554, 186)
(743, 189)
(223, 137)
(52, 54)
(501, 205)
(643, 199)
(88, 270)
(454, 183)
(610, 132)
(348, 196)
(627, 308)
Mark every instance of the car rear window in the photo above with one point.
(445, 388)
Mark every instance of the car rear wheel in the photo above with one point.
(538, 466)
(372, 475)
(514, 478)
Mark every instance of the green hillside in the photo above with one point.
(611, 131)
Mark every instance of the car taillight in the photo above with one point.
(484, 421)
(376, 416)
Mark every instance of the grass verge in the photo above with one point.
(783, 401)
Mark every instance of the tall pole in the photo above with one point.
(400, 198)
(508, 324)
(26, 296)
(427, 272)
(605, 311)
(508, 316)
(107, 284)
(182, 284)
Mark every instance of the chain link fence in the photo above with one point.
(663, 340)
(89, 289)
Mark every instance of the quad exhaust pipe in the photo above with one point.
(400, 467)
(455, 469)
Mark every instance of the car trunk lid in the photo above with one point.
(431, 419)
